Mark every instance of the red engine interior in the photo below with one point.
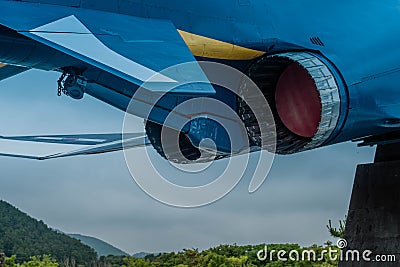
(298, 101)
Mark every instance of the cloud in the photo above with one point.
(96, 196)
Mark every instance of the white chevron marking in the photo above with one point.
(70, 33)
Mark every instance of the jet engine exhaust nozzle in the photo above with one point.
(304, 96)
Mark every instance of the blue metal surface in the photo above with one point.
(358, 41)
(9, 71)
(151, 38)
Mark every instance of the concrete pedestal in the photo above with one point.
(373, 221)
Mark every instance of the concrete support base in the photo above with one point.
(373, 221)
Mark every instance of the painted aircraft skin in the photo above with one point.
(348, 52)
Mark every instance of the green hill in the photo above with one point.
(102, 248)
(24, 236)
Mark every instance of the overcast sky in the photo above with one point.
(96, 196)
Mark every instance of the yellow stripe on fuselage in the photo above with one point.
(201, 46)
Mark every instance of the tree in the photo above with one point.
(35, 261)
(10, 262)
(43, 261)
(337, 233)
(133, 262)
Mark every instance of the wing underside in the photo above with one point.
(94, 144)
(130, 48)
(111, 51)
(7, 71)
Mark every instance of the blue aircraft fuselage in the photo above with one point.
(354, 44)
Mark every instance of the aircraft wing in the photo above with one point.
(81, 139)
(7, 71)
(132, 48)
(96, 144)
